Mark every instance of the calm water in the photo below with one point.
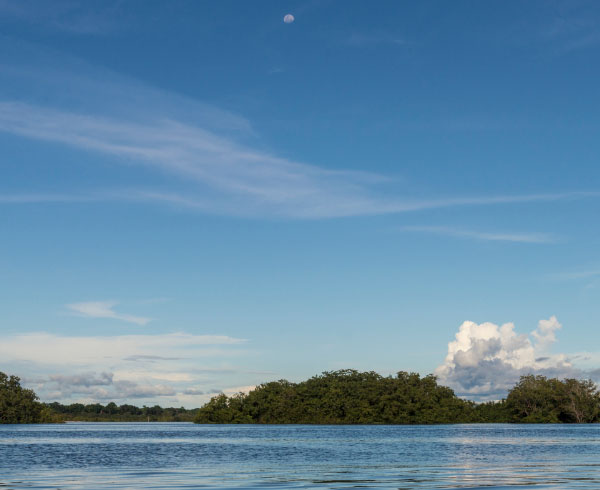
(173, 456)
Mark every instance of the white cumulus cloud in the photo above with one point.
(485, 360)
(545, 333)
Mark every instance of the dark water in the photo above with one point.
(176, 456)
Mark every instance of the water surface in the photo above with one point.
(179, 455)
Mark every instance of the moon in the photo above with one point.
(288, 19)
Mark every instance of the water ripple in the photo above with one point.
(185, 456)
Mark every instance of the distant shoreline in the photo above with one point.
(344, 397)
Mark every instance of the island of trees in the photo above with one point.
(352, 397)
(338, 397)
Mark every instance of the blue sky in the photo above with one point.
(198, 197)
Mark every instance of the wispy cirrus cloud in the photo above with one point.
(588, 273)
(72, 350)
(65, 16)
(36, 198)
(105, 309)
(572, 29)
(225, 176)
(308, 210)
(565, 28)
(150, 358)
(212, 160)
(518, 237)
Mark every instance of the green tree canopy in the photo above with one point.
(19, 405)
(540, 400)
(352, 397)
(342, 397)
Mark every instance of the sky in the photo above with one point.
(199, 197)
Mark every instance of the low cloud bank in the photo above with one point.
(101, 387)
(486, 360)
(165, 368)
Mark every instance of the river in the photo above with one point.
(181, 455)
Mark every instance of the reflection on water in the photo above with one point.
(171, 456)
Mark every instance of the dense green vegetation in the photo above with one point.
(342, 397)
(96, 412)
(18, 405)
(352, 397)
(537, 399)
(338, 397)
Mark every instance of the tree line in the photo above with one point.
(352, 397)
(111, 412)
(22, 406)
(336, 397)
